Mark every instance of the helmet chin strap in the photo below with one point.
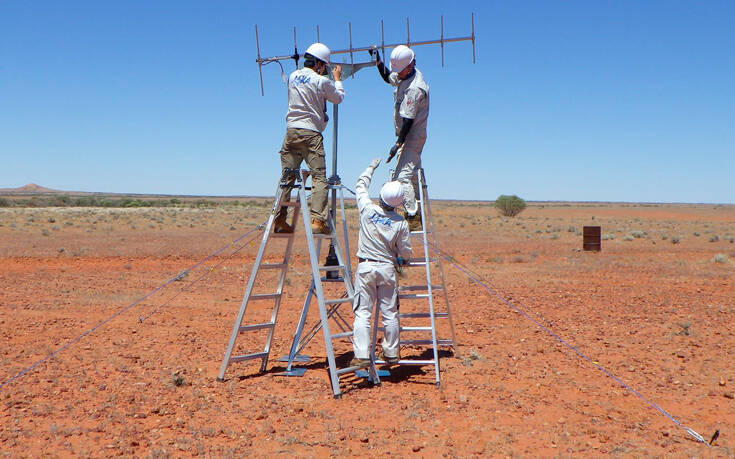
(385, 205)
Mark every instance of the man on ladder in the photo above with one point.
(384, 241)
(410, 115)
(308, 93)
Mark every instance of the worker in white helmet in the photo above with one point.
(383, 243)
(308, 92)
(410, 115)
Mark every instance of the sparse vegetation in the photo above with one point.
(510, 206)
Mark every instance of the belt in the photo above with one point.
(362, 260)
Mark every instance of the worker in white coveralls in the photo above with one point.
(384, 242)
(308, 92)
(410, 115)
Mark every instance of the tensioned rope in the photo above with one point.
(187, 288)
(476, 278)
(126, 308)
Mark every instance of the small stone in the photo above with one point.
(729, 395)
(722, 382)
(462, 398)
(417, 448)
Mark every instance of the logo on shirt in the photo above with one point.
(375, 218)
(300, 79)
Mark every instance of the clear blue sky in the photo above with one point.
(569, 100)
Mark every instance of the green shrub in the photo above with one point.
(509, 206)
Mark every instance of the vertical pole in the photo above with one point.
(260, 65)
(442, 38)
(335, 177)
(349, 25)
(473, 37)
(382, 39)
(317, 35)
(408, 34)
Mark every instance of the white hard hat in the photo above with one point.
(392, 193)
(320, 51)
(400, 58)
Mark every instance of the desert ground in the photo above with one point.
(655, 309)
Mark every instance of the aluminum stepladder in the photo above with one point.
(426, 291)
(327, 307)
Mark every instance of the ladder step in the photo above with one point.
(241, 358)
(412, 296)
(419, 288)
(414, 315)
(350, 369)
(342, 335)
(332, 268)
(252, 327)
(265, 296)
(325, 236)
(408, 362)
(415, 329)
(424, 342)
(421, 232)
(272, 265)
(281, 235)
(347, 299)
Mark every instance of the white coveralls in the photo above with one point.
(384, 236)
(411, 102)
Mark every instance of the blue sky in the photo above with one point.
(568, 100)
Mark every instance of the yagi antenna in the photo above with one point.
(261, 61)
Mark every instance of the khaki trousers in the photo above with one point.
(305, 145)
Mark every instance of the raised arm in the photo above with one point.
(363, 184)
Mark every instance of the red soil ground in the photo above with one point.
(655, 314)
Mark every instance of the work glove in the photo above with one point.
(392, 153)
(375, 52)
(374, 163)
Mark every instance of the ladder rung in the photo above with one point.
(281, 235)
(412, 296)
(409, 362)
(325, 236)
(413, 315)
(341, 335)
(265, 296)
(272, 265)
(290, 204)
(414, 288)
(421, 232)
(245, 328)
(347, 299)
(332, 268)
(240, 358)
(415, 328)
(418, 342)
(351, 369)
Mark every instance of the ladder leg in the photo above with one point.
(432, 317)
(320, 296)
(299, 328)
(430, 217)
(249, 289)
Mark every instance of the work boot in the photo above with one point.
(280, 226)
(389, 360)
(414, 222)
(355, 362)
(319, 226)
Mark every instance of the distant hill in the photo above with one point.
(29, 188)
